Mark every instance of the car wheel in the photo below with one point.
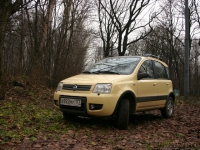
(169, 108)
(123, 115)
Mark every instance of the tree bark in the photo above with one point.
(38, 68)
(7, 8)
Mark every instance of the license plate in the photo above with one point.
(70, 102)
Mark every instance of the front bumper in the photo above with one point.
(92, 104)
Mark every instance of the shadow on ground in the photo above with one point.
(135, 120)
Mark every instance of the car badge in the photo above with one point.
(74, 87)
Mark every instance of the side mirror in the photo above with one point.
(143, 75)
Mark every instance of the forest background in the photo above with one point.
(49, 40)
(45, 41)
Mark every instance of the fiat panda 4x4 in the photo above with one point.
(118, 86)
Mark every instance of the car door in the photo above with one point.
(147, 87)
(163, 81)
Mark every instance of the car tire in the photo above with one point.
(169, 108)
(123, 115)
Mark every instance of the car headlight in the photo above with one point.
(102, 88)
(59, 87)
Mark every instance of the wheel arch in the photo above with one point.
(132, 99)
(172, 95)
(168, 110)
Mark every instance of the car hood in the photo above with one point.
(92, 79)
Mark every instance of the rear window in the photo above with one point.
(161, 71)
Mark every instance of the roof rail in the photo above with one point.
(154, 56)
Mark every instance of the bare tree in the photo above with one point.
(46, 42)
(70, 34)
(123, 15)
(7, 9)
(196, 7)
(167, 41)
(43, 33)
(195, 68)
(107, 29)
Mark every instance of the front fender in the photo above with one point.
(132, 99)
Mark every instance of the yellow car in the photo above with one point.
(118, 86)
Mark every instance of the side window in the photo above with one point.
(167, 71)
(160, 70)
(147, 67)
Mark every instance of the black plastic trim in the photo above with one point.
(77, 87)
(74, 109)
(151, 98)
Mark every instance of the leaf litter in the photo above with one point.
(28, 120)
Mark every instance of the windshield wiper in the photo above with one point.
(98, 72)
(87, 72)
(108, 72)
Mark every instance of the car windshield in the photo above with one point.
(114, 65)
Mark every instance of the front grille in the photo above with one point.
(83, 103)
(75, 87)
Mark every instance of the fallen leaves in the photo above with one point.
(31, 122)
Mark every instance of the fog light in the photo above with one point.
(92, 107)
(95, 106)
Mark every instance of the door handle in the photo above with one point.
(154, 84)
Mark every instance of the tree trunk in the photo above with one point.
(3, 22)
(38, 70)
(62, 46)
(7, 8)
